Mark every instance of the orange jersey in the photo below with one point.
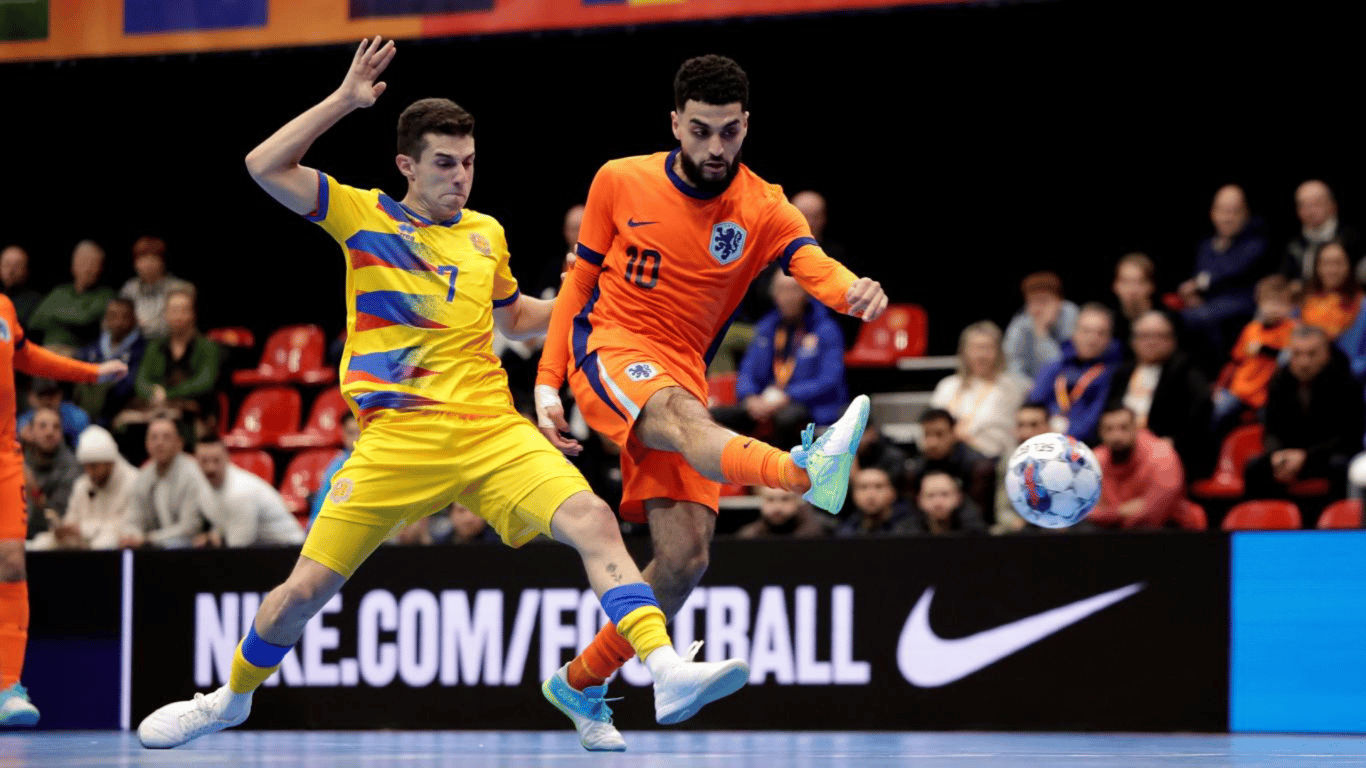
(17, 353)
(1254, 359)
(1332, 312)
(662, 267)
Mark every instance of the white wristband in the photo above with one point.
(546, 397)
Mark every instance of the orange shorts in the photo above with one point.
(611, 388)
(13, 507)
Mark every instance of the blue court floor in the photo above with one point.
(331, 749)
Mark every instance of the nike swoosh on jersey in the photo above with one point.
(929, 661)
(632, 223)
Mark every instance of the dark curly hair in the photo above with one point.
(711, 79)
(426, 116)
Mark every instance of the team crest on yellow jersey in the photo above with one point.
(481, 243)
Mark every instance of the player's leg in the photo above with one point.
(586, 523)
(15, 708)
(681, 532)
(673, 419)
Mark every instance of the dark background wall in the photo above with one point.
(960, 147)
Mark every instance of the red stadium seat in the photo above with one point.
(223, 414)
(1341, 514)
(292, 354)
(265, 415)
(1271, 515)
(902, 331)
(721, 390)
(1193, 517)
(303, 475)
(235, 336)
(258, 463)
(323, 429)
(1227, 483)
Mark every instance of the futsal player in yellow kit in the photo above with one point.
(426, 282)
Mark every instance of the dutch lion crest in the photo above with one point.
(727, 242)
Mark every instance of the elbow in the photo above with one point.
(255, 163)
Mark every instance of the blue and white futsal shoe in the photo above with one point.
(830, 459)
(15, 708)
(175, 724)
(587, 709)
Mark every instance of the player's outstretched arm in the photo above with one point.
(37, 361)
(525, 318)
(836, 287)
(275, 163)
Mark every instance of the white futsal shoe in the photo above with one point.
(175, 724)
(684, 686)
(587, 709)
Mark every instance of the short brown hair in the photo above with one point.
(1041, 282)
(149, 246)
(1140, 260)
(425, 116)
(1274, 287)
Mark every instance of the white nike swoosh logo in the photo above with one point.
(929, 661)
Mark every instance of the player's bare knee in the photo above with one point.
(586, 522)
(12, 561)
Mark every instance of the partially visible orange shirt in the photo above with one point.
(674, 264)
(1254, 358)
(17, 353)
(1330, 311)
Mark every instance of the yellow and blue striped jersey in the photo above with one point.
(419, 304)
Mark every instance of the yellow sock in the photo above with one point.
(644, 629)
(247, 677)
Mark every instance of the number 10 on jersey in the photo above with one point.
(642, 267)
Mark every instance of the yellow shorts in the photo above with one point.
(408, 465)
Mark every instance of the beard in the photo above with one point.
(693, 172)
(1121, 455)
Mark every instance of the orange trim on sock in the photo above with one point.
(747, 461)
(605, 655)
(13, 631)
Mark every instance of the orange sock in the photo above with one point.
(747, 461)
(605, 655)
(13, 630)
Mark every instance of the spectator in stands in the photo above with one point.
(1135, 289)
(1313, 421)
(982, 396)
(101, 496)
(878, 450)
(783, 514)
(350, 432)
(121, 340)
(940, 449)
(793, 372)
(69, 317)
(458, 525)
(1169, 396)
(1031, 420)
(876, 509)
(1144, 481)
(179, 371)
(152, 287)
(53, 471)
(171, 496)
(940, 507)
(1243, 383)
(1334, 298)
(50, 394)
(14, 283)
(550, 279)
(244, 510)
(1035, 335)
(1219, 296)
(1074, 387)
(1317, 209)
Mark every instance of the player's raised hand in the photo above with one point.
(866, 299)
(550, 419)
(359, 88)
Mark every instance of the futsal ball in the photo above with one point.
(1053, 480)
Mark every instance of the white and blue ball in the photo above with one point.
(1053, 480)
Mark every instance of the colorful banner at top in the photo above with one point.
(64, 29)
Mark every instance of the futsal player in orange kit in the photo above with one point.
(17, 353)
(669, 244)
